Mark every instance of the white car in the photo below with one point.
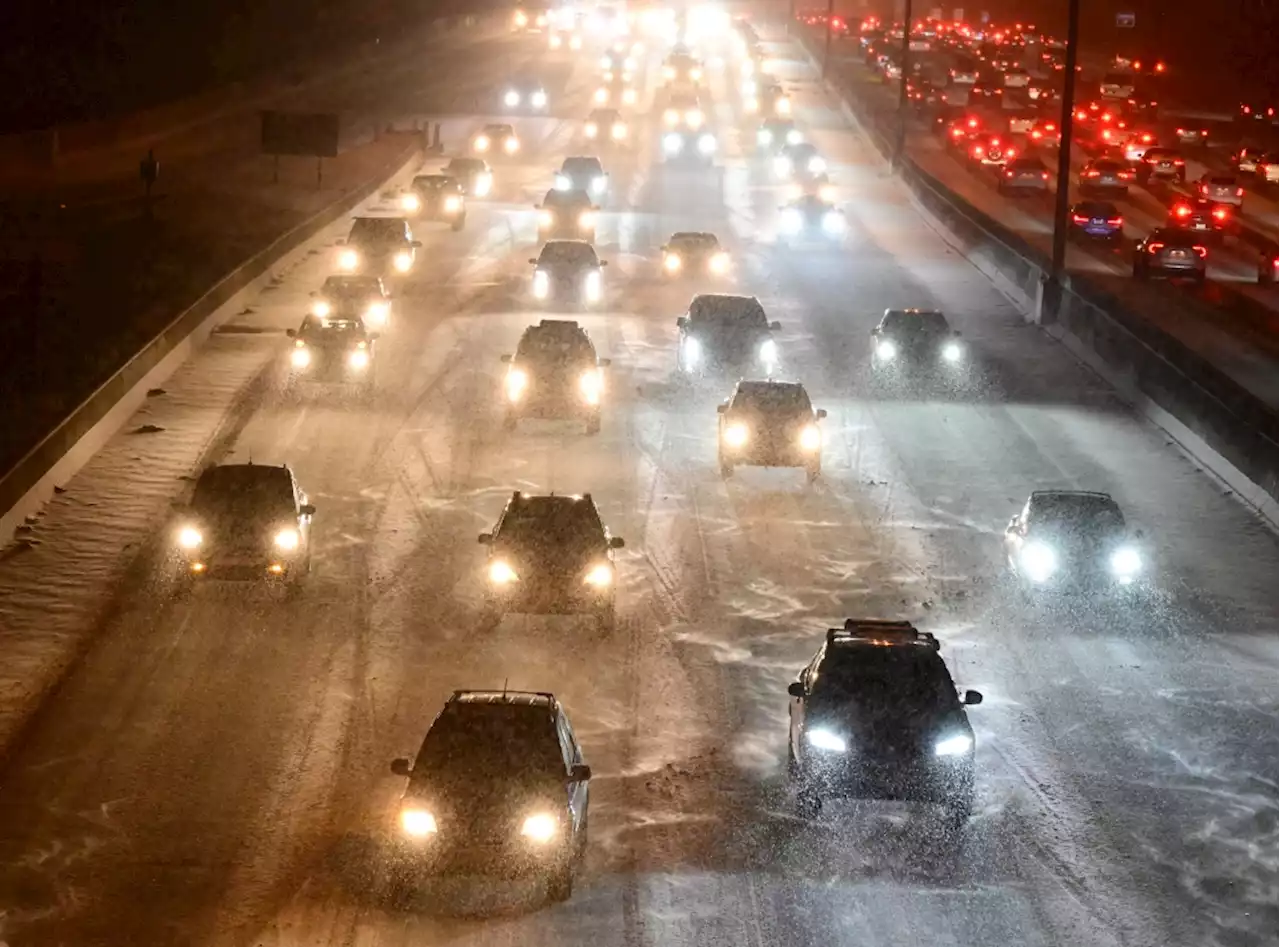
(1269, 168)
(1220, 188)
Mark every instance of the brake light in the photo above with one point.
(1106, 134)
(1115, 221)
(1091, 174)
(1044, 175)
(1077, 219)
(1182, 211)
(1219, 213)
(1010, 152)
(977, 151)
(1178, 162)
(1146, 139)
(1154, 247)
(1200, 250)
(1181, 131)
(1051, 127)
(1239, 192)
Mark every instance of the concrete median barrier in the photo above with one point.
(25, 487)
(1218, 422)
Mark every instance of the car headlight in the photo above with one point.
(833, 222)
(511, 99)
(377, 313)
(672, 144)
(481, 143)
(592, 286)
(540, 828)
(484, 184)
(600, 575)
(694, 118)
(555, 42)
(736, 434)
(321, 308)
(669, 72)
(795, 192)
(792, 221)
(452, 204)
(783, 106)
(602, 96)
(1039, 561)
(957, 745)
(403, 261)
(517, 381)
(671, 116)
(695, 74)
(764, 137)
(287, 539)
(190, 538)
(541, 284)
(810, 438)
(418, 822)
(817, 165)
(586, 220)
(619, 131)
(707, 144)
(546, 218)
(886, 349)
(827, 192)
(562, 182)
(1126, 563)
(300, 357)
(769, 351)
(672, 262)
(591, 129)
(629, 96)
(794, 137)
(511, 145)
(348, 259)
(591, 384)
(952, 351)
(719, 264)
(692, 350)
(539, 99)
(598, 184)
(358, 358)
(501, 573)
(825, 740)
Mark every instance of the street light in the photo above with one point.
(1063, 197)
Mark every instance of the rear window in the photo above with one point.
(1174, 237)
(1097, 209)
(1222, 181)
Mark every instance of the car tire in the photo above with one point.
(593, 425)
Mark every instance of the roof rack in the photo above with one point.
(882, 632)
(1073, 493)
(530, 698)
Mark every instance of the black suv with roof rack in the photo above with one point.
(554, 373)
(499, 786)
(551, 555)
(875, 715)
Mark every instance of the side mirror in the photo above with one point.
(533, 261)
(580, 773)
(616, 542)
(821, 413)
(775, 326)
(291, 333)
(604, 362)
(416, 244)
(972, 698)
(721, 408)
(795, 689)
(307, 509)
(504, 359)
(400, 766)
(484, 539)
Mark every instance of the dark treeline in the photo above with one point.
(67, 60)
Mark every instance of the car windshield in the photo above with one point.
(694, 242)
(729, 311)
(491, 741)
(244, 492)
(553, 522)
(581, 167)
(498, 131)
(377, 230)
(766, 398)
(1083, 515)
(566, 253)
(350, 287)
(886, 681)
(915, 323)
(543, 345)
(332, 328)
(434, 182)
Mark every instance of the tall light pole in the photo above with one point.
(826, 51)
(901, 138)
(1062, 199)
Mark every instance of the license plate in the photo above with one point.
(1202, 227)
(1177, 254)
(1166, 166)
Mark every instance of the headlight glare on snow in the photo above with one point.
(736, 434)
(517, 382)
(957, 745)
(886, 349)
(769, 352)
(599, 576)
(189, 537)
(287, 539)
(1126, 563)
(1038, 560)
(403, 261)
(952, 351)
(418, 822)
(540, 828)
(825, 740)
(501, 573)
(810, 438)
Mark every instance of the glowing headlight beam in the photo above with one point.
(826, 741)
(957, 745)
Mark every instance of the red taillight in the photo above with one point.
(1115, 221)
(1154, 247)
(1200, 250)
(1239, 192)
(1091, 174)
(977, 151)
(1051, 127)
(1219, 213)
(1044, 175)
(1010, 152)
(1106, 134)
(1182, 211)
(1146, 139)
(1182, 131)
(1077, 219)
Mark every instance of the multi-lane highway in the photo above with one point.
(213, 771)
(1231, 320)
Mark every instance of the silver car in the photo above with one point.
(1221, 189)
(1269, 168)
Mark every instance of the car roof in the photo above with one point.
(692, 235)
(538, 699)
(232, 474)
(726, 297)
(580, 159)
(754, 386)
(880, 633)
(1049, 495)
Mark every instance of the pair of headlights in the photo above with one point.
(502, 573)
(1039, 562)
(674, 144)
(349, 259)
(539, 828)
(833, 223)
(285, 540)
(590, 385)
(737, 435)
(828, 741)
(412, 203)
(718, 264)
(887, 350)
